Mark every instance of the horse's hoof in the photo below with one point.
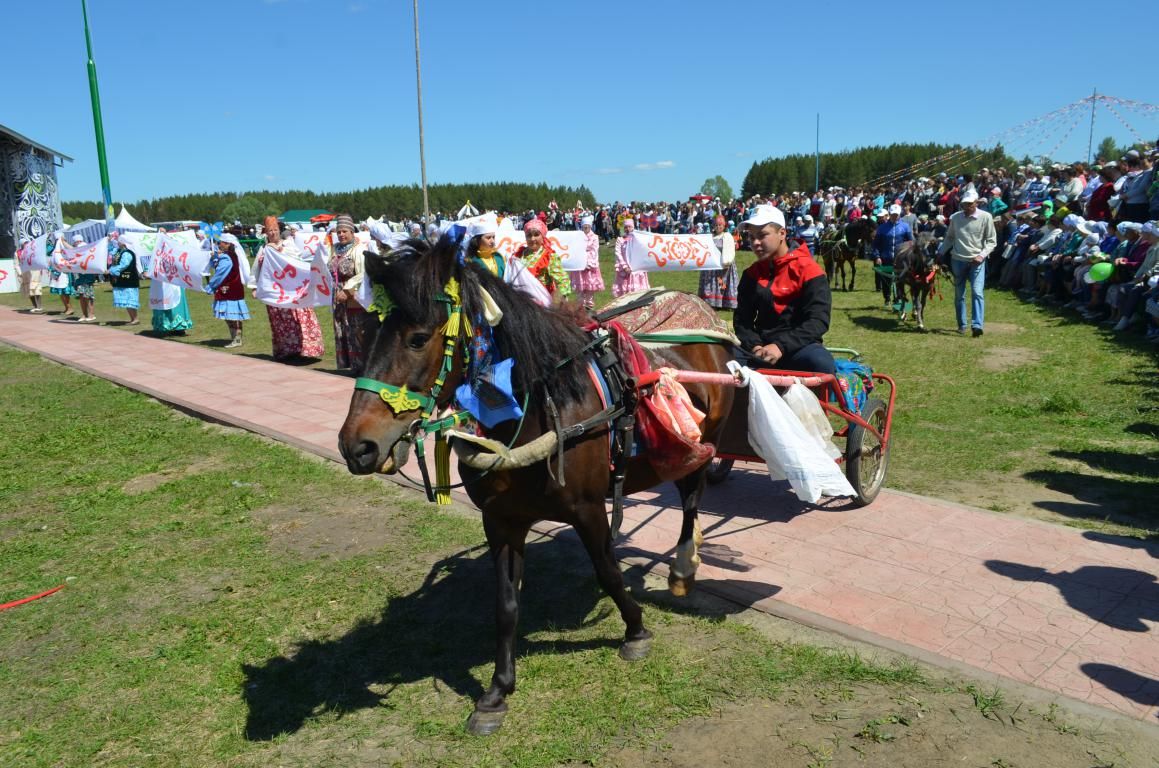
(482, 723)
(680, 586)
(636, 650)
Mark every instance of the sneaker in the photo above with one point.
(233, 344)
(962, 331)
(976, 332)
(36, 311)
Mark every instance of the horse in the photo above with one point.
(915, 269)
(837, 250)
(416, 349)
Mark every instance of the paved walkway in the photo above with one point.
(1071, 612)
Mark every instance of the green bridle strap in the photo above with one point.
(398, 399)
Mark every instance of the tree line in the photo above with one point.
(851, 168)
(396, 202)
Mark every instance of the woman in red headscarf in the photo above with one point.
(295, 332)
(543, 262)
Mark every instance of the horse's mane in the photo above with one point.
(537, 338)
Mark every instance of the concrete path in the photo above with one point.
(1071, 612)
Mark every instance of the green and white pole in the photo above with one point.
(98, 125)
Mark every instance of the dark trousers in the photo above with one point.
(813, 358)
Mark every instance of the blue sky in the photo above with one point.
(635, 100)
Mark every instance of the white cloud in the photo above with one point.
(270, 177)
(657, 166)
(608, 171)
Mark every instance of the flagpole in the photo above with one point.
(422, 149)
(98, 124)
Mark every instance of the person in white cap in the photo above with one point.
(480, 250)
(970, 238)
(588, 281)
(783, 301)
(85, 289)
(30, 279)
(891, 233)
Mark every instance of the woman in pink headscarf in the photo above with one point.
(588, 282)
(628, 280)
(543, 262)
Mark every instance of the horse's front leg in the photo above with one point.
(920, 307)
(682, 573)
(506, 543)
(852, 274)
(596, 535)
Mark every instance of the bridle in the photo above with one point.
(402, 400)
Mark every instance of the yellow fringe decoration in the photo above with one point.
(442, 470)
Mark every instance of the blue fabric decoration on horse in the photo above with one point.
(490, 396)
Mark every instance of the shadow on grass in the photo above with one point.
(874, 323)
(1101, 498)
(1139, 465)
(1122, 598)
(441, 632)
(1130, 685)
(1150, 546)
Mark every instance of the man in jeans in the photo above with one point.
(970, 238)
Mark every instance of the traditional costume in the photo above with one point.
(588, 281)
(227, 282)
(544, 263)
(125, 279)
(346, 267)
(510, 271)
(294, 332)
(627, 279)
(718, 286)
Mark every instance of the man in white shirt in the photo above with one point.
(969, 239)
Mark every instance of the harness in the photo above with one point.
(618, 414)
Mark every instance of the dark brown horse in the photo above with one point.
(409, 350)
(914, 271)
(843, 246)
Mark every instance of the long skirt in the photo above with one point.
(295, 333)
(127, 298)
(60, 283)
(589, 280)
(629, 282)
(718, 287)
(173, 320)
(348, 325)
(231, 309)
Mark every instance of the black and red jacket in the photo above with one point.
(783, 301)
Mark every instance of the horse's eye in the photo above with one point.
(418, 340)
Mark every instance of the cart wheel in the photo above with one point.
(718, 470)
(866, 460)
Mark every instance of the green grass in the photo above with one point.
(214, 614)
(1040, 402)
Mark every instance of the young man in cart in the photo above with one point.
(783, 301)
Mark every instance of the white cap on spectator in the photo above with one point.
(1150, 229)
(766, 214)
(895, 208)
(996, 191)
(941, 218)
(1129, 226)
(969, 196)
(77, 239)
(809, 217)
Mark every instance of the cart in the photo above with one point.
(866, 435)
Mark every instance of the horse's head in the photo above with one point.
(416, 294)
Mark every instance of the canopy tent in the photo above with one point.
(467, 211)
(322, 218)
(89, 230)
(126, 223)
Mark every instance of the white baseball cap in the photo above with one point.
(766, 214)
(895, 208)
(969, 196)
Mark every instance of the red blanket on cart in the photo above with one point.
(670, 453)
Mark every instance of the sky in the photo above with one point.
(634, 100)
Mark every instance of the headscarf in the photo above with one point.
(536, 225)
(271, 222)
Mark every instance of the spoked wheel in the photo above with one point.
(718, 470)
(866, 459)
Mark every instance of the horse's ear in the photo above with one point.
(375, 265)
(445, 252)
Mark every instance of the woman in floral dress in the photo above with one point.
(588, 282)
(295, 332)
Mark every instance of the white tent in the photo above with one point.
(126, 223)
(467, 211)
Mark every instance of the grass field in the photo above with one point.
(1044, 416)
(232, 602)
